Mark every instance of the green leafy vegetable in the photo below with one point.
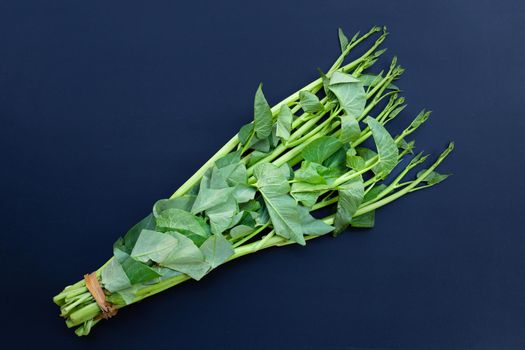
(262, 115)
(433, 178)
(240, 231)
(343, 40)
(186, 257)
(115, 277)
(217, 250)
(350, 130)
(246, 133)
(350, 93)
(221, 215)
(287, 177)
(354, 162)
(134, 270)
(364, 221)
(310, 102)
(284, 123)
(312, 226)
(321, 149)
(386, 147)
(184, 203)
(350, 197)
(283, 210)
(153, 245)
(180, 220)
(209, 198)
(243, 193)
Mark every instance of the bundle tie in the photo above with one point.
(92, 284)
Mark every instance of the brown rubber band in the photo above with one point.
(96, 291)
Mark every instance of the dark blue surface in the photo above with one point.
(107, 107)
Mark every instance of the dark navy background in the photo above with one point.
(106, 107)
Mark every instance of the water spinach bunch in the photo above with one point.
(315, 163)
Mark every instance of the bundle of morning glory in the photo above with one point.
(320, 162)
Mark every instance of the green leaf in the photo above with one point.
(256, 156)
(308, 199)
(186, 257)
(236, 219)
(126, 244)
(282, 208)
(113, 277)
(185, 203)
(311, 225)
(136, 271)
(409, 146)
(355, 163)
(326, 88)
(153, 245)
(366, 220)
(284, 122)
(165, 273)
(350, 197)
(310, 102)
(240, 231)
(260, 144)
(245, 133)
(350, 130)
(221, 215)
(245, 218)
(261, 216)
(349, 92)
(271, 179)
(420, 119)
(228, 175)
(309, 172)
(243, 193)
(322, 148)
(343, 78)
(216, 250)
(262, 115)
(386, 147)
(343, 40)
(273, 139)
(365, 153)
(315, 174)
(229, 159)
(252, 205)
(284, 215)
(180, 220)
(433, 178)
(217, 179)
(337, 160)
(208, 197)
(287, 171)
(393, 113)
(128, 295)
